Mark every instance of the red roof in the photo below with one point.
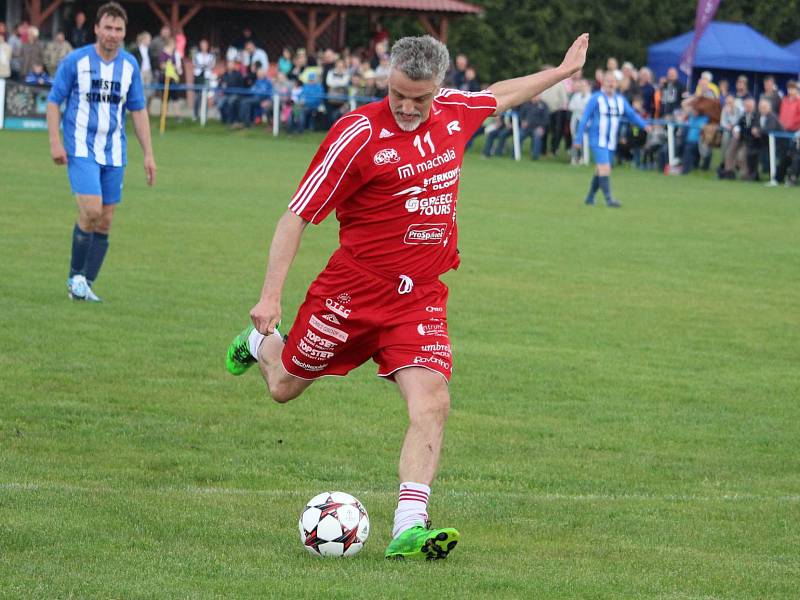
(432, 6)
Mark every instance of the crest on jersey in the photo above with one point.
(386, 156)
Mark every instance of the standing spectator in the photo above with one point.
(612, 65)
(671, 93)
(772, 94)
(741, 94)
(534, 118)
(230, 86)
(576, 105)
(180, 44)
(55, 52)
(629, 85)
(691, 145)
(767, 123)
(736, 156)
(78, 33)
(32, 52)
(459, 70)
(158, 43)
(790, 108)
(15, 41)
(724, 91)
(5, 57)
(557, 101)
(252, 55)
(247, 36)
(141, 52)
(203, 63)
(470, 83)
(729, 118)
(647, 92)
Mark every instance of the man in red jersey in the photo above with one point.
(391, 170)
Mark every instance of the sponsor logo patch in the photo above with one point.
(332, 319)
(327, 329)
(434, 309)
(432, 328)
(386, 156)
(425, 233)
(405, 171)
(385, 133)
(344, 298)
(318, 341)
(437, 161)
(306, 366)
(338, 308)
(431, 360)
(453, 126)
(311, 352)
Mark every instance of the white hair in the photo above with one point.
(421, 58)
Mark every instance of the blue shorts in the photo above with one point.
(602, 156)
(88, 178)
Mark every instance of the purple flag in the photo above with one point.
(706, 9)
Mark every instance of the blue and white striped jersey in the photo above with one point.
(97, 94)
(602, 115)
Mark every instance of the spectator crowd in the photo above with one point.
(315, 89)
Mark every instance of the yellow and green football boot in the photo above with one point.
(421, 543)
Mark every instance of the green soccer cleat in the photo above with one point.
(422, 543)
(239, 358)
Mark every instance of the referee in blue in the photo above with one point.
(602, 116)
(98, 83)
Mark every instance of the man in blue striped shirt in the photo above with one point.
(602, 116)
(97, 83)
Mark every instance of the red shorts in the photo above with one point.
(351, 314)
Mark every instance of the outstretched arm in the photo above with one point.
(141, 124)
(513, 92)
(285, 243)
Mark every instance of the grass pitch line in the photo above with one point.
(199, 491)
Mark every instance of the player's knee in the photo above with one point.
(435, 406)
(282, 393)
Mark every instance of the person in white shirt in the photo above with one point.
(203, 63)
(577, 102)
(252, 55)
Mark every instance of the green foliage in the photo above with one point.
(625, 420)
(514, 37)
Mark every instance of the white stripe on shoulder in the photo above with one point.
(313, 182)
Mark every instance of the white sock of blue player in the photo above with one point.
(412, 507)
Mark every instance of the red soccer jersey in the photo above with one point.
(394, 191)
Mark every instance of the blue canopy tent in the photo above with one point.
(726, 49)
(794, 48)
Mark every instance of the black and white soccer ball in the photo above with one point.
(334, 524)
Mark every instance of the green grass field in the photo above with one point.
(626, 399)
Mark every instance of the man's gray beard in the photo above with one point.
(408, 126)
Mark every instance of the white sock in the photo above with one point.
(412, 507)
(254, 341)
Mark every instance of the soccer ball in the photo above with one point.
(334, 524)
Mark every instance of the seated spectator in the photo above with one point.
(382, 77)
(307, 100)
(654, 152)
(788, 171)
(534, 117)
(285, 61)
(230, 86)
(496, 128)
(38, 76)
(55, 52)
(259, 103)
(338, 83)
